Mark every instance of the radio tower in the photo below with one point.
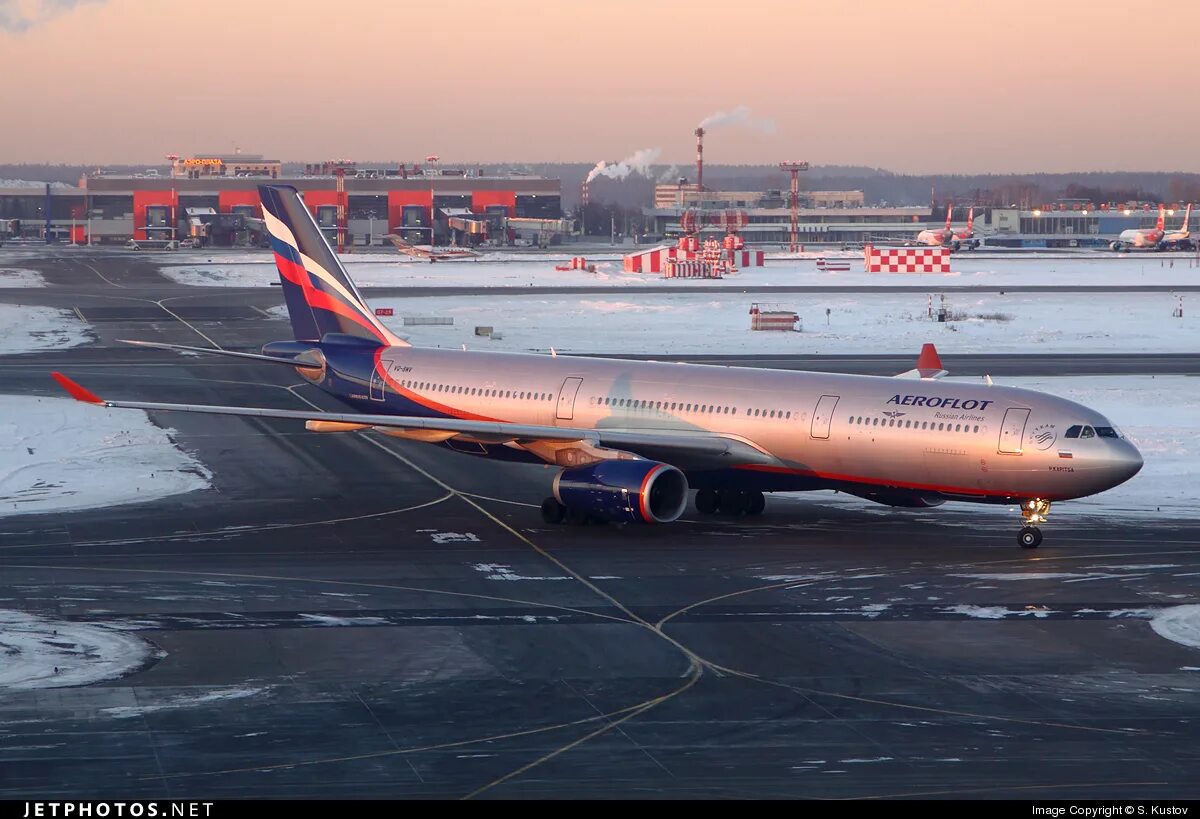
(794, 169)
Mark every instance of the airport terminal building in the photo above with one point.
(215, 197)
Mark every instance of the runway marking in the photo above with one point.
(238, 530)
(189, 325)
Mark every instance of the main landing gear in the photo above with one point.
(1035, 511)
(730, 502)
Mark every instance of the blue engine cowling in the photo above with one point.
(629, 491)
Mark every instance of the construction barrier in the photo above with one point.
(765, 317)
(691, 269)
(833, 265)
(655, 259)
(577, 263)
(906, 259)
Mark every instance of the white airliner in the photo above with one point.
(631, 438)
(1144, 238)
(1180, 239)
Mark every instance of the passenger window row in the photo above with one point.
(908, 423)
(666, 406)
(678, 406)
(458, 389)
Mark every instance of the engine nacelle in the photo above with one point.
(629, 491)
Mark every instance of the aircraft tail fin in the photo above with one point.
(1162, 218)
(320, 296)
(971, 219)
(949, 214)
(1187, 214)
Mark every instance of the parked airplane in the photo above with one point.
(1180, 239)
(946, 236)
(632, 438)
(429, 252)
(1143, 238)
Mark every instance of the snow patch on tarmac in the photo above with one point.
(37, 652)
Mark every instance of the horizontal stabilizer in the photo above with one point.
(158, 345)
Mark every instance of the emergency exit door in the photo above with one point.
(566, 398)
(823, 415)
(1012, 431)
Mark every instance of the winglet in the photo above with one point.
(77, 391)
(929, 359)
(929, 364)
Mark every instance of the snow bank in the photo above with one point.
(185, 701)
(37, 652)
(25, 329)
(20, 277)
(57, 454)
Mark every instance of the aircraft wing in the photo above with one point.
(687, 450)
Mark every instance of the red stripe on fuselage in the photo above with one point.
(927, 487)
(443, 409)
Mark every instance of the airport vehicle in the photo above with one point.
(1143, 238)
(630, 439)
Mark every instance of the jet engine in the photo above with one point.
(624, 491)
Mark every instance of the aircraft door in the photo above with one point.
(823, 415)
(566, 398)
(1012, 431)
(377, 385)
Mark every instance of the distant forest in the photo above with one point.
(879, 186)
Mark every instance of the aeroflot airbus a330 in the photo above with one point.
(632, 438)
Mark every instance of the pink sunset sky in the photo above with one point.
(913, 87)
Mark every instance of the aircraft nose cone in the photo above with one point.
(1125, 461)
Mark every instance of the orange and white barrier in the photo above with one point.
(577, 263)
(906, 259)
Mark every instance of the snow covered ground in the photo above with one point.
(25, 329)
(41, 653)
(57, 454)
(376, 271)
(20, 277)
(858, 323)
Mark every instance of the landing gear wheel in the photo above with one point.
(729, 502)
(1030, 537)
(753, 502)
(553, 511)
(577, 517)
(707, 501)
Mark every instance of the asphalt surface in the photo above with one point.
(347, 615)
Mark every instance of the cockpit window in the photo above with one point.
(1108, 432)
(1073, 432)
(1088, 432)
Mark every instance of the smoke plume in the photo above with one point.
(639, 162)
(738, 116)
(18, 16)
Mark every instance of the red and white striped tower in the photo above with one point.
(794, 169)
(700, 159)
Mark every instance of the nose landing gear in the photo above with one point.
(1035, 511)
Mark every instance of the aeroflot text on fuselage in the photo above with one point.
(934, 401)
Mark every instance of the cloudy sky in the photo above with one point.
(912, 86)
